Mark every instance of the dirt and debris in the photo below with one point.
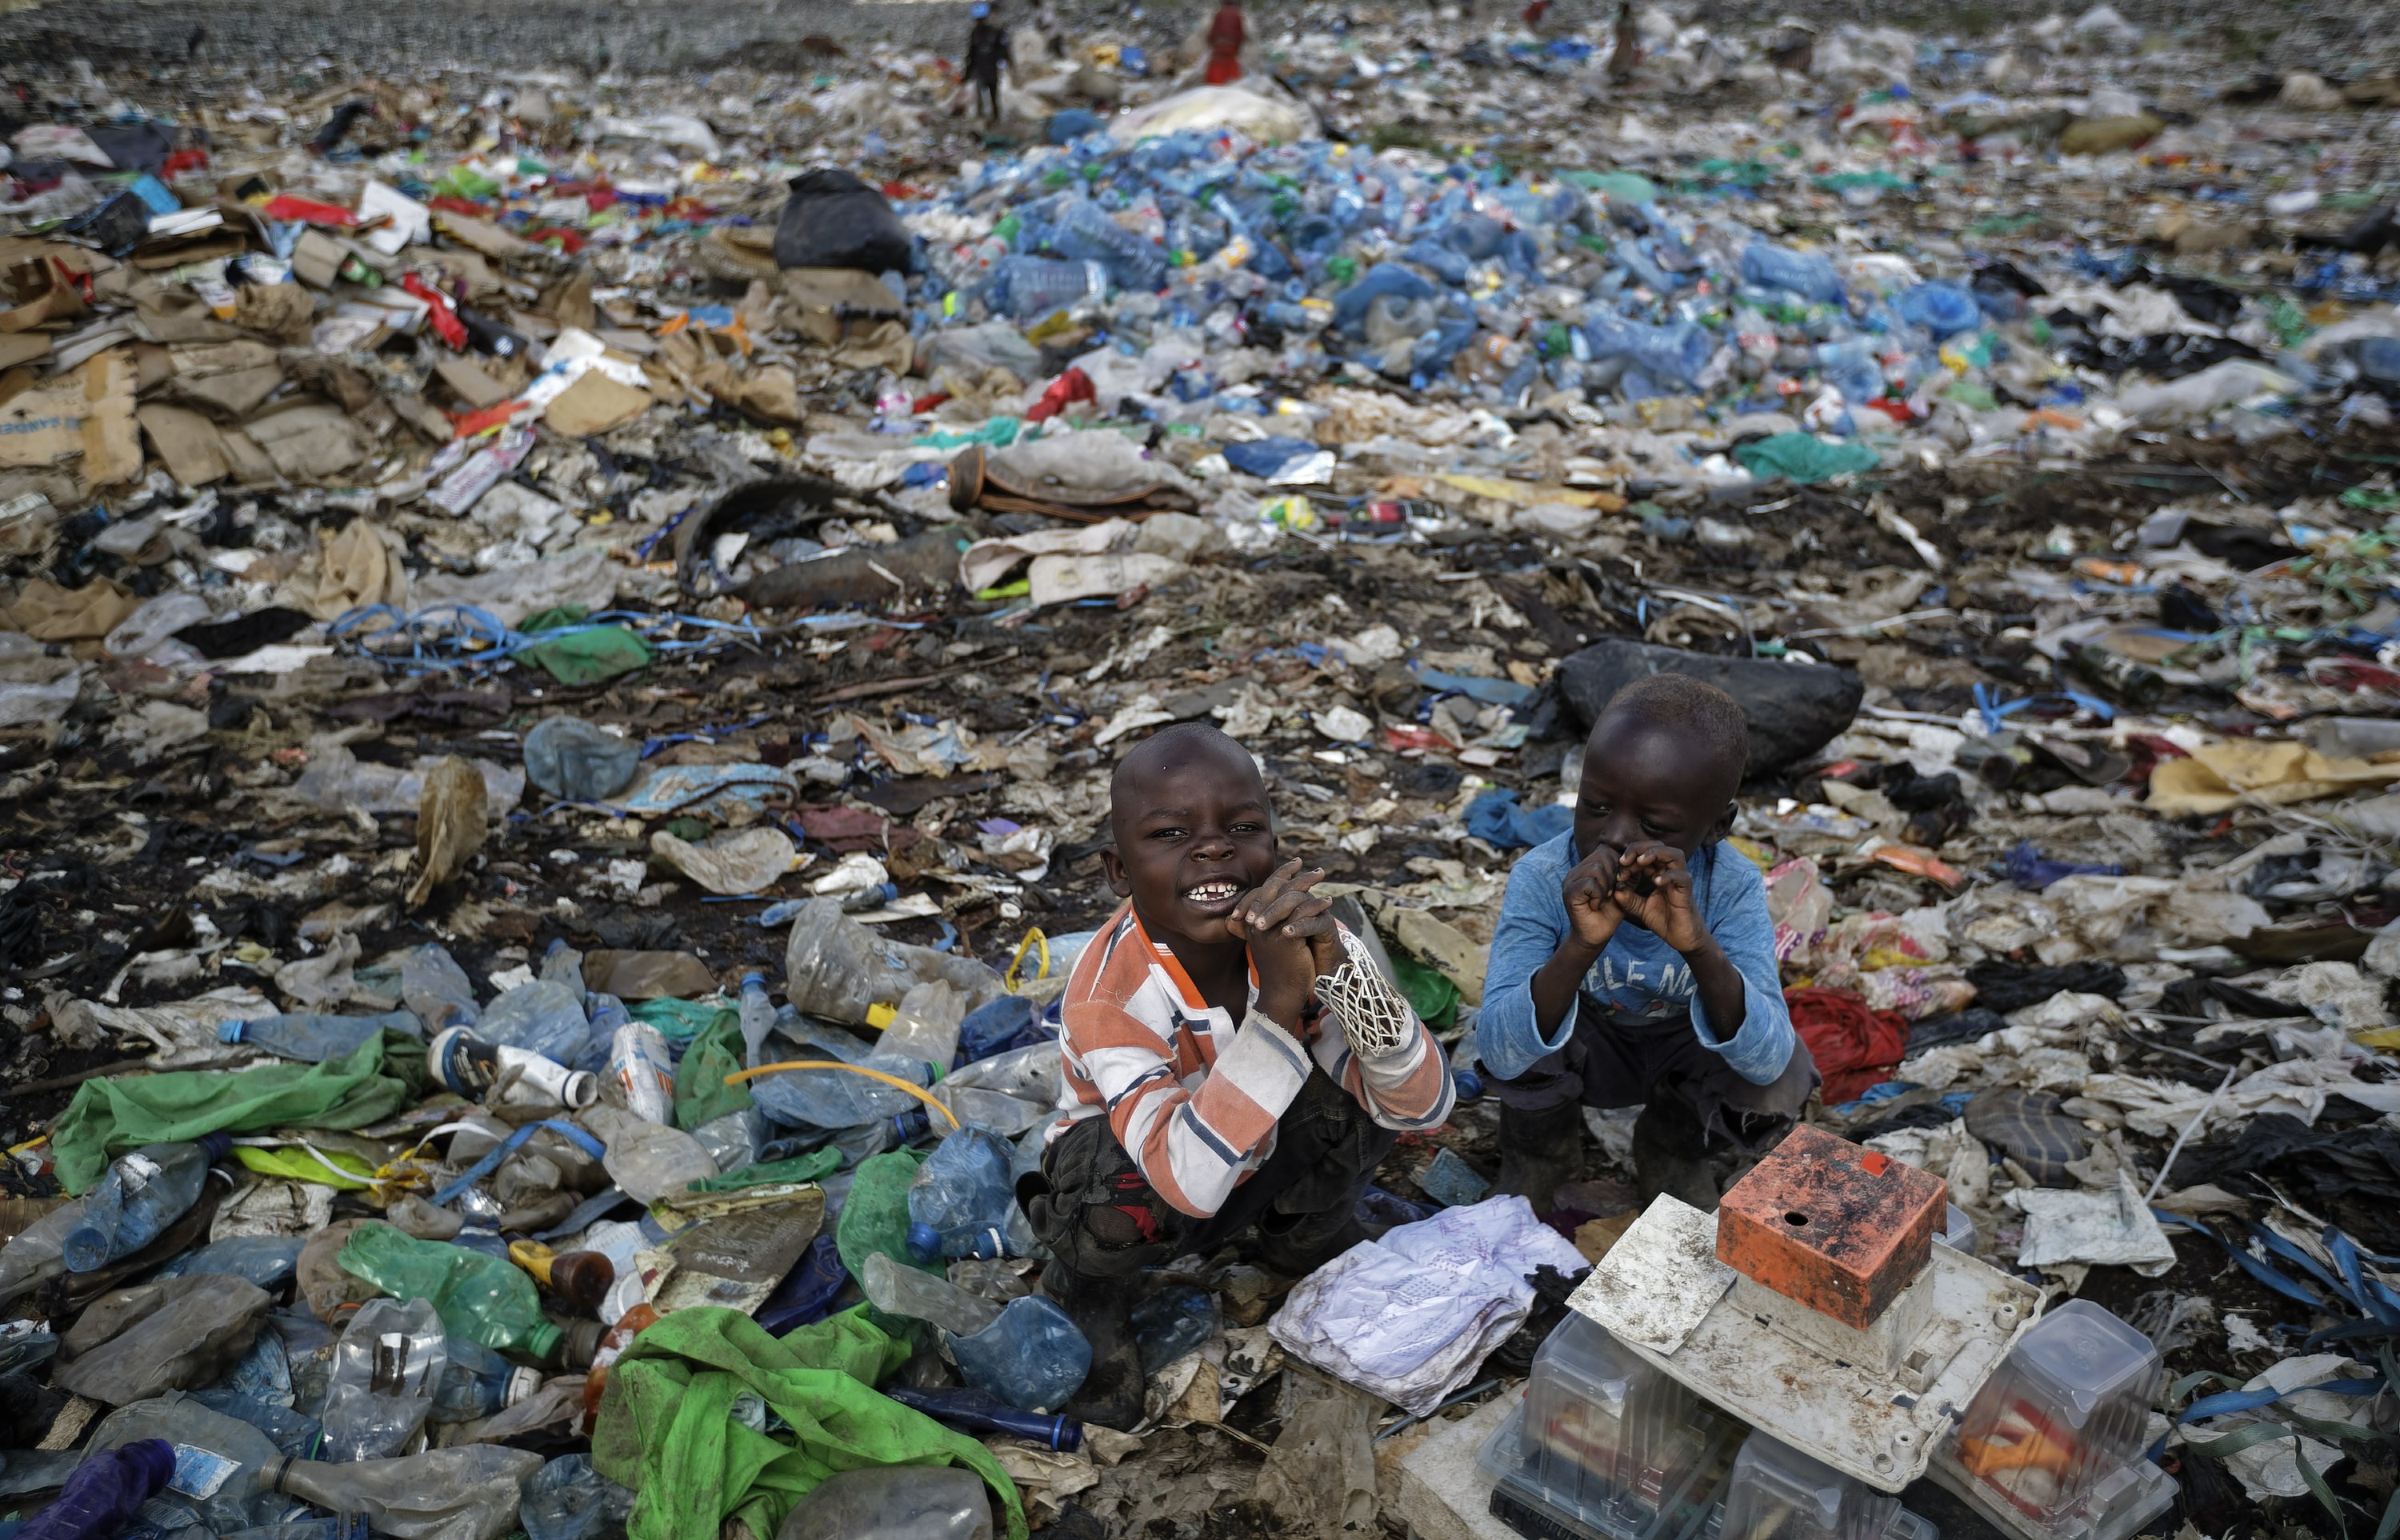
(2000, 408)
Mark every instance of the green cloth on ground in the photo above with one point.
(875, 1216)
(382, 1077)
(1802, 457)
(681, 1020)
(1427, 989)
(700, 1093)
(667, 1428)
(808, 1167)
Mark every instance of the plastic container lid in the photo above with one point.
(2067, 1409)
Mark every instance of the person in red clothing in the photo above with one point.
(1225, 45)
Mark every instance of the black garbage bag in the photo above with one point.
(834, 220)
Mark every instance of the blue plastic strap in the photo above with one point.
(510, 1146)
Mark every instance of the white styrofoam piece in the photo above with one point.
(1660, 1280)
(1852, 1416)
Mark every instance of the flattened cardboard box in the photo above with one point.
(85, 416)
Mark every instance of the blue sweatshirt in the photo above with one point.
(1637, 975)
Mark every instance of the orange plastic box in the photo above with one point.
(1831, 1225)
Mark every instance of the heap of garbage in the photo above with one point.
(562, 641)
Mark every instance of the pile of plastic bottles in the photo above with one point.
(1454, 279)
(367, 1370)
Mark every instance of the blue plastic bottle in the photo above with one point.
(432, 985)
(266, 1261)
(316, 1039)
(958, 1204)
(477, 1383)
(1804, 274)
(104, 1493)
(142, 1194)
(1032, 1357)
(758, 1018)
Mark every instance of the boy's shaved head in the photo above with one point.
(1688, 707)
(1177, 744)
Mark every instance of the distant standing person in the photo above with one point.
(1628, 52)
(1225, 35)
(987, 51)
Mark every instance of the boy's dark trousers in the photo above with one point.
(987, 95)
(1092, 1206)
(1617, 1060)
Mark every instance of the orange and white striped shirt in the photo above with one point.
(1194, 1101)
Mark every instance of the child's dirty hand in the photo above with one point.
(1654, 889)
(1593, 912)
(1291, 940)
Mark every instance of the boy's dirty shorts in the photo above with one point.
(1615, 1060)
(1092, 1206)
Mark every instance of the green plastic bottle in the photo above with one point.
(481, 1297)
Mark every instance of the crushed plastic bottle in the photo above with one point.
(648, 1159)
(1027, 1352)
(578, 762)
(891, 1503)
(435, 990)
(567, 1500)
(960, 1202)
(441, 1494)
(142, 1194)
(757, 1019)
(477, 1383)
(37, 1252)
(385, 1373)
(835, 968)
(545, 1016)
(480, 1297)
(925, 1025)
(315, 1038)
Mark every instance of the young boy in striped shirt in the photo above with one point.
(1211, 1079)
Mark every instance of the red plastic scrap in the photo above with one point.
(182, 161)
(440, 314)
(288, 210)
(1072, 385)
(466, 205)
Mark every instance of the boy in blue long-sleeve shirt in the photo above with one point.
(1634, 962)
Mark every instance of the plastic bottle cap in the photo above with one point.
(748, 979)
(521, 1382)
(924, 1242)
(230, 1032)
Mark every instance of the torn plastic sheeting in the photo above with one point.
(673, 788)
(2100, 1229)
(747, 861)
(2219, 777)
(336, 778)
(1412, 1316)
(985, 563)
(1491, 692)
(1277, 119)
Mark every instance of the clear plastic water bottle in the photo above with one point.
(758, 1018)
(1007, 1093)
(35, 1253)
(543, 1017)
(641, 1073)
(835, 1099)
(1030, 287)
(385, 1373)
(887, 1502)
(1171, 1323)
(648, 1159)
(960, 1202)
(873, 1139)
(316, 1039)
(435, 987)
(104, 1493)
(470, 1489)
(142, 1194)
(834, 968)
(1082, 232)
(910, 1291)
(925, 1026)
(266, 1261)
(568, 1500)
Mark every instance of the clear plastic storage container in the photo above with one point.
(2059, 1429)
(1776, 1492)
(1604, 1446)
